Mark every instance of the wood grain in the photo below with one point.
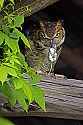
(64, 99)
(22, 8)
(36, 5)
(64, 96)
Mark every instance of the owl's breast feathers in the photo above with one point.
(56, 45)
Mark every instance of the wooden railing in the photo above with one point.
(64, 99)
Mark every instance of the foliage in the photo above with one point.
(13, 66)
(4, 121)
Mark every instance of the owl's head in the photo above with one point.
(48, 27)
(51, 27)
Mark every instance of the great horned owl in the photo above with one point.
(46, 41)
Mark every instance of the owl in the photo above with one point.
(46, 41)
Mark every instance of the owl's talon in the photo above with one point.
(60, 76)
(51, 75)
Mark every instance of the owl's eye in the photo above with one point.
(57, 35)
(41, 34)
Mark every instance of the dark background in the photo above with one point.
(43, 121)
(70, 62)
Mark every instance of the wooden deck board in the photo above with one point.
(64, 96)
(36, 5)
(64, 99)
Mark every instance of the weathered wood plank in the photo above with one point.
(64, 99)
(64, 96)
(22, 8)
(36, 5)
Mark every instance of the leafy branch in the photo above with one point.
(13, 67)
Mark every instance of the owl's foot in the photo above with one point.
(40, 72)
(52, 75)
(56, 76)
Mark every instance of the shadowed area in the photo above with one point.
(70, 62)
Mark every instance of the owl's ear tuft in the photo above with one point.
(42, 26)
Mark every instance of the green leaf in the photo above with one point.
(19, 69)
(14, 95)
(25, 40)
(20, 97)
(21, 58)
(12, 43)
(1, 38)
(5, 29)
(13, 35)
(10, 65)
(39, 97)
(17, 61)
(35, 78)
(1, 3)
(4, 121)
(18, 20)
(12, 1)
(6, 90)
(11, 71)
(12, 98)
(3, 74)
(18, 82)
(27, 90)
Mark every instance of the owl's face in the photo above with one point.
(48, 28)
(51, 28)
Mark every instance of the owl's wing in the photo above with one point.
(58, 53)
(61, 40)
